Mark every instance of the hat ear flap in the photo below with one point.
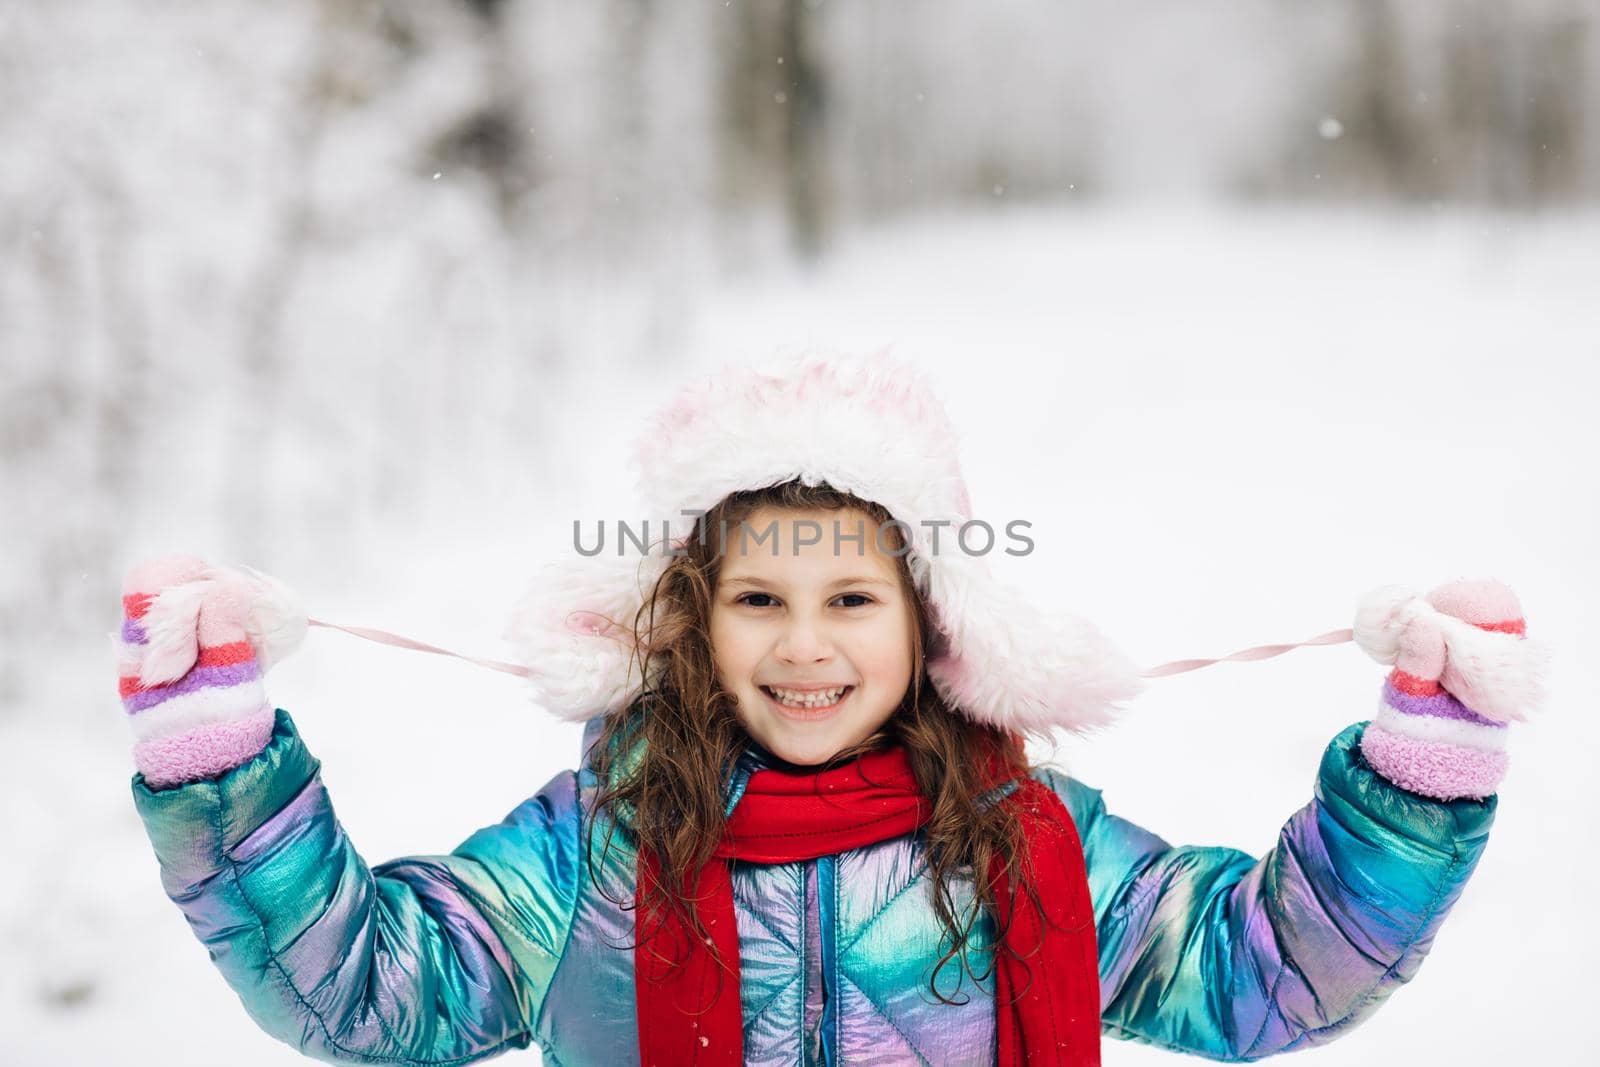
(573, 629)
(1013, 665)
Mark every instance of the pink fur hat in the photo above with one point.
(870, 425)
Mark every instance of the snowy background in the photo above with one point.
(1248, 307)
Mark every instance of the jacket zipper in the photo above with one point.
(827, 917)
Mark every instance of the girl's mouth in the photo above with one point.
(811, 707)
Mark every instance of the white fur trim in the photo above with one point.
(870, 425)
(1025, 667)
(575, 672)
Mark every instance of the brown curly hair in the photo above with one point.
(674, 789)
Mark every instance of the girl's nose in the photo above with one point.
(803, 642)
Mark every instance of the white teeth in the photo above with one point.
(820, 699)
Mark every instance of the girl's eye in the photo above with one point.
(749, 597)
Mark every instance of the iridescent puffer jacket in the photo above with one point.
(511, 941)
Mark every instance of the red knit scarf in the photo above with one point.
(784, 818)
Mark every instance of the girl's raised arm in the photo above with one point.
(424, 960)
(1213, 951)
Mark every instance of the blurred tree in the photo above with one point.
(774, 118)
(492, 137)
(805, 141)
(1558, 88)
(1473, 102)
(1378, 114)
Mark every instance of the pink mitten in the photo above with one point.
(1463, 669)
(195, 640)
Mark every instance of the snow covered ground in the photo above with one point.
(1224, 427)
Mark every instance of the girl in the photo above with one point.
(804, 828)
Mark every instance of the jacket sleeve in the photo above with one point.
(1213, 952)
(423, 960)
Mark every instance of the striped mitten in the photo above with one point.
(196, 638)
(1462, 671)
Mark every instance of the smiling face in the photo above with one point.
(816, 647)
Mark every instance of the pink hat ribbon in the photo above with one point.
(1163, 670)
